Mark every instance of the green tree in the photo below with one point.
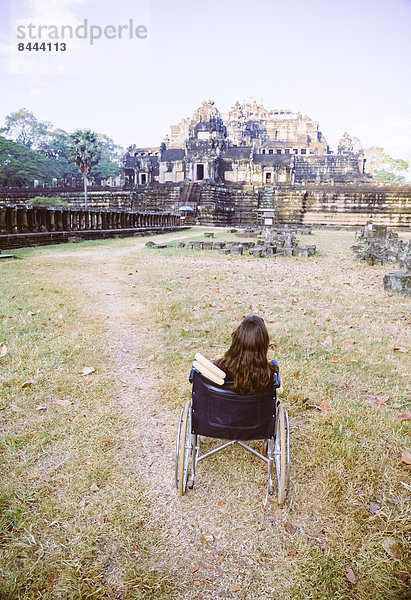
(20, 166)
(85, 151)
(23, 127)
(109, 164)
(383, 167)
(56, 147)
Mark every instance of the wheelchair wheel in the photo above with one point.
(282, 453)
(183, 448)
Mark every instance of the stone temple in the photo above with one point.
(256, 166)
(251, 146)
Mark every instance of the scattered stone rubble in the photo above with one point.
(283, 229)
(154, 245)
(272, 244)
(377, 245)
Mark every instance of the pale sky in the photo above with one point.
(345, 63)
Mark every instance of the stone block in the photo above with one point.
(285, 251)
(398, 281)
(257, 252)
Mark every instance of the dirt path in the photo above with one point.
(227, 566)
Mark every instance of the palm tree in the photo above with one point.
(85, 150)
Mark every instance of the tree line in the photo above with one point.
(31, 149)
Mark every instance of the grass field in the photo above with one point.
(79, 519)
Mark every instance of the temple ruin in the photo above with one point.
(256, 166)
(256, 147)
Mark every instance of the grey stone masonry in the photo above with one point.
(398, 281)
(377, 245)
(271, 244)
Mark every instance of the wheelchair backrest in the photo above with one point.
(218, 412)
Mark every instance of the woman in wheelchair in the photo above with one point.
(235, 399)
(245, 362)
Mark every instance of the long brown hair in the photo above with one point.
(245, 362)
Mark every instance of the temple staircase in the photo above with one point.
(190, 195)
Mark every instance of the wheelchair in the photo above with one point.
(216, 411)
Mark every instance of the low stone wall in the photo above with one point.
(29, 240)
(328, 205)
(22, 219)
(105, 198)
(322, 205)
(25, 226)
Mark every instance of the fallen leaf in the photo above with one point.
(374, 507)
(289, 528)
(334, 360)
(324, 405)
(392, 548)
(207, 538)
(87, 371)
(84, 413)
(3, 351)
(406, 457)
(350, 575)
(94, 487)
(350, 341)
(360, 469)
(400, 349)
(194, 569)
(375, 400)
(404, 416)
(234, 588)
(31, 313)
(174, 531)
(62, 402)
(221, 502)
(383, 399)
(41, 407)
(328, 342)
(28, 382)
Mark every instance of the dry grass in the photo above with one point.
(75, 519)
(334, 331)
